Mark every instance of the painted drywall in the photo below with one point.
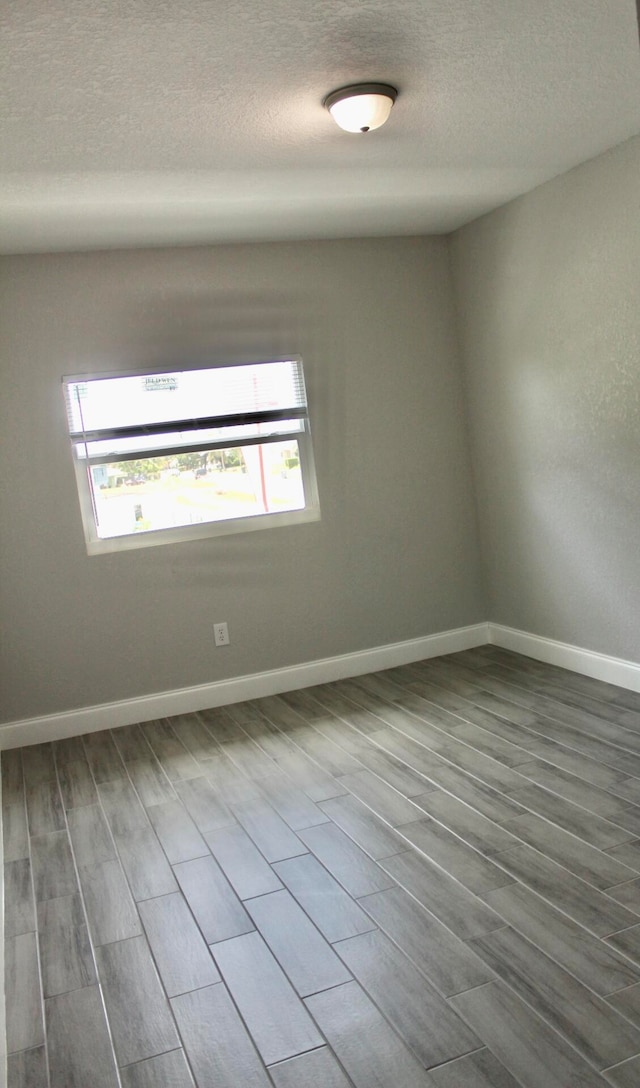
(395, 555)
(548, 300)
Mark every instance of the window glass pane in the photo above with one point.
(109, 403)
(147, 494)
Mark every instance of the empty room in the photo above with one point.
(320, 544)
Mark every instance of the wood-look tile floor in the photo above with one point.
(425, 876)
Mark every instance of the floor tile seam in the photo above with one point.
(382, 857)
(155, 762)
(299, 747)
(342, 721)
(551, 713)
(553, 903)
(434, 986)
(6, 935)
(60, 768)
(565, 970)
(6, 807)
(491, 860)
(334, 879)
(117, 855)
(38, 954)
(444, 691)
(444, 759)
(439, 728)
(428, 781)
(332, 875)
(325, 1046)
(115, 834)
(623, 1013)
(395, 1029)
(512, 698)
(80, 891)
(113, 733)
(435, 919)
(37, 930)
(458, 1057)
(495, 857)
(621, 804)
(183, 1045)
(548, 1024)
(107, 1023)
(8, 794)
(443, 1065)
(630, 985)
(149, 944)
(329, 740)
(161, 1054)
(248, 741)
(421, 814)
(566, 681)
(244, 1022)
(464, 887)
(583, 931)
(570, 702)
(388, 784)
(547, 759)
(292, 779)
(263, 747)
(618, 933)
(208, 729)
(92, 943)
(85, 745)
(264, 800)
(426, 815)
(300, 905)
(177, 799)
(458, 713)
(34, 788)
(615, 755)
(500, 794)
(330, 944)
(304, 849)
(624, 884)
(606, 819)
(196, 753)
(344, 726)
(619, 1066)
(493, 652)
(162, 989)
(573, 835)
(375, 861)
(167, 722)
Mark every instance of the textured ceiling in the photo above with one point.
(174, 121)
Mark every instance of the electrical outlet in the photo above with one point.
(221, 634)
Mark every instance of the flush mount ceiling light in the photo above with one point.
(361, 108)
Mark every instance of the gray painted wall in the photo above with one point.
(548, 292)
(395, 555)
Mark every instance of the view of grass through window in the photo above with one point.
(190, 488)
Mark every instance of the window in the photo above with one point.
(169, 455)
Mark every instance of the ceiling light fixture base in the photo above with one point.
(361, 107)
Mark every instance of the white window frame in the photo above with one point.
(97, 545)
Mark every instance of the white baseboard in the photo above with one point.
(221, 692)
(613, 670)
